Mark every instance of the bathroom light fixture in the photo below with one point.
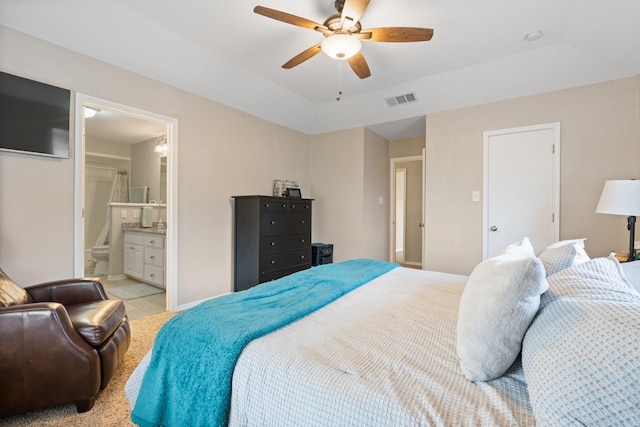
(341, 46)
(90, 112)
(161, 145)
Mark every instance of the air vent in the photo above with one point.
(402, 99)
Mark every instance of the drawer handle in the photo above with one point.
(293, 206)
(153, 242)
(302, 221)
(152, 275)
(152, 257)
(284, 205)
(266, 205)
(273, 222)
(301, 256)
(301, 240)
(273, 243)
(273, 262)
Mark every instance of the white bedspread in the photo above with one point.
(383, 355)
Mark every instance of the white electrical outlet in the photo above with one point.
(123, 214)
(475, 196)
(136, 214)
(381, 200)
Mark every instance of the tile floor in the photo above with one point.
(136, 307)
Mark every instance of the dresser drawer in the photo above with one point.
(280, 260)
(154, 241)
(301, 206)
(274, 205)
(154, 257)
(284, 242)
(284, 223)
(154, 275)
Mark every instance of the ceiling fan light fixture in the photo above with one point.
(341, 46)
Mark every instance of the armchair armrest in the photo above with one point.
(68, 292)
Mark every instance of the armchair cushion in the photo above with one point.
(10, 293)
(96, 321)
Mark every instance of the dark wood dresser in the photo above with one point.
(272, 237)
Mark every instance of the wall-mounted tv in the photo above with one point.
(34, 117)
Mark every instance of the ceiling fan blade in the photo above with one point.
(352, 11)
(303, 56)
(288, 18)
(399, 34)
(359, 65)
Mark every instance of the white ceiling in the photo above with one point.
(224, 51)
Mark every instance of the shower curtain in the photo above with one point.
(119, 194)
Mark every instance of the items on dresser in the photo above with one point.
(272, 237)
(144, 256)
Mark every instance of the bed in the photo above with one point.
(391, 352)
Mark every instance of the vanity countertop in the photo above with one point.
(147, 230)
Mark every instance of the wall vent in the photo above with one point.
(402, 99)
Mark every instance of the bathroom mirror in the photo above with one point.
(163, 179)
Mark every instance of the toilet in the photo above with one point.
(101, 255)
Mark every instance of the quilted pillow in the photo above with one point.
(560, 255)
(10, 293)
(580, 355)
(497, 305)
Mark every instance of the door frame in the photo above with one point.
(171, 265)
(555, 127)
(392, 200)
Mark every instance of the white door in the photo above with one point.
(521, 186)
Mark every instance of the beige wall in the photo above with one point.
(222, 152)
(406, 147)
(599, 141)
(375, 189)
(349, 172)
(337, 177)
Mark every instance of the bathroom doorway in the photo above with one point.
(102, 144)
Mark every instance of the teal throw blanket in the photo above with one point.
(188, 381)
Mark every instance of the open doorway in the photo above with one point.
(407, 181)
(140, 131)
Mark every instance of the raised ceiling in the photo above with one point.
(224, 51)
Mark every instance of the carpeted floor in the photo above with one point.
(111, 408)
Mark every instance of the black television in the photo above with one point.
(34, 117)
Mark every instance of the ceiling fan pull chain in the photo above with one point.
(339, 80)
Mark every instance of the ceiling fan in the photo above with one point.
(343, 33)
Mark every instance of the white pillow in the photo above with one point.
(580, 355)
(578, 244)
(497, 306)
(558, 258)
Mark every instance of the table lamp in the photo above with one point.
(622, 197)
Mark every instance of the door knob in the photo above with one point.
(494, 228)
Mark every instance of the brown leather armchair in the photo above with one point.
(60, 343)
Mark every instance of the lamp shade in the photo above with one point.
(341, 46)
(620, 197)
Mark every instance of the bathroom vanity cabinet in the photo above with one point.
(272, 238)
(144, 255)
